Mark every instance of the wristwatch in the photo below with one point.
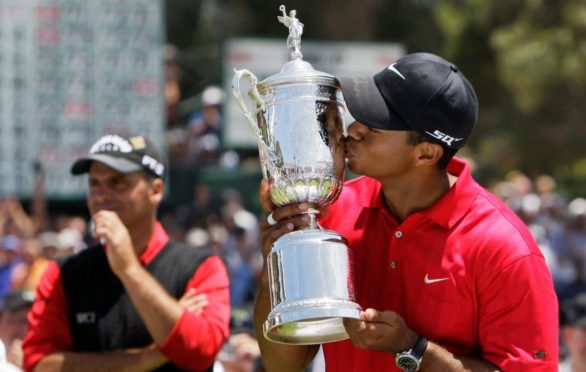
(410, 360)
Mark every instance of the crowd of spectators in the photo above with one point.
(30, 239)
(194, 124)
(231, 231)
(558, 224)
(220, 221)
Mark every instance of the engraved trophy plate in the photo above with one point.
(297, 115)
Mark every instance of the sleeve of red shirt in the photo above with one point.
(48, 323)
(518, 323)
(195, 340)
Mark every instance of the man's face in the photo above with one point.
(575, 339)
(334, 125)
(132, 195)
(378, 153)
(13, 324)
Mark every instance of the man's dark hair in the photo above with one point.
(415, 138)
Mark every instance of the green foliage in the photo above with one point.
(531, 83)
(534, 59)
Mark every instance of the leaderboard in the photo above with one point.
(70, 71)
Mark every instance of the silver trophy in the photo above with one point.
(296, 115)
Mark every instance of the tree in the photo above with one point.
(525, 61)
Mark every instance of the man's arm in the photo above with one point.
(47, 345)
(387, 332)
(436, 358)
(156, 307)
(147, 358)
(518, 325)
(162, 314)
(196, 339)
(278, 357)
(142, 359)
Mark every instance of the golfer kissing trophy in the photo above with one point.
(296, 115)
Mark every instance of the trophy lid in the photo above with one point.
(297, 70)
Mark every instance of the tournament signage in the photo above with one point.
(70, 71)
(264, 57)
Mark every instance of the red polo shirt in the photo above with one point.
(466, 273)
(193, 341)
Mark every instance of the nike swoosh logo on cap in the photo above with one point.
(394, 69)
(431, 281)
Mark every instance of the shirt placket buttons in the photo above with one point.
(398, 234)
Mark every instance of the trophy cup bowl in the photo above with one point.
(297, 118)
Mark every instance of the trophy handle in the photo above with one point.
(252, 93)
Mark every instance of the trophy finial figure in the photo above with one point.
(295, 31)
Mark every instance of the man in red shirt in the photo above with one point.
(449, 277)
(115, 305)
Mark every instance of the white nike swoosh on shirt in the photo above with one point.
(431, 281)
(394, 69)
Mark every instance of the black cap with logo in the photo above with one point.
(124, 154)
(421, 92)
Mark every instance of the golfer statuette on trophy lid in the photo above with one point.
(296, 115)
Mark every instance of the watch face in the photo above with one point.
(407, 363)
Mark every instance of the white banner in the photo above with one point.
(266, 57)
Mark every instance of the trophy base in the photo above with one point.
(319, 324)
(310, 280)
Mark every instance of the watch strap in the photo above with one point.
(420, 347)
(410, 360)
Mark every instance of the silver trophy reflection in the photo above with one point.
(297, 118)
